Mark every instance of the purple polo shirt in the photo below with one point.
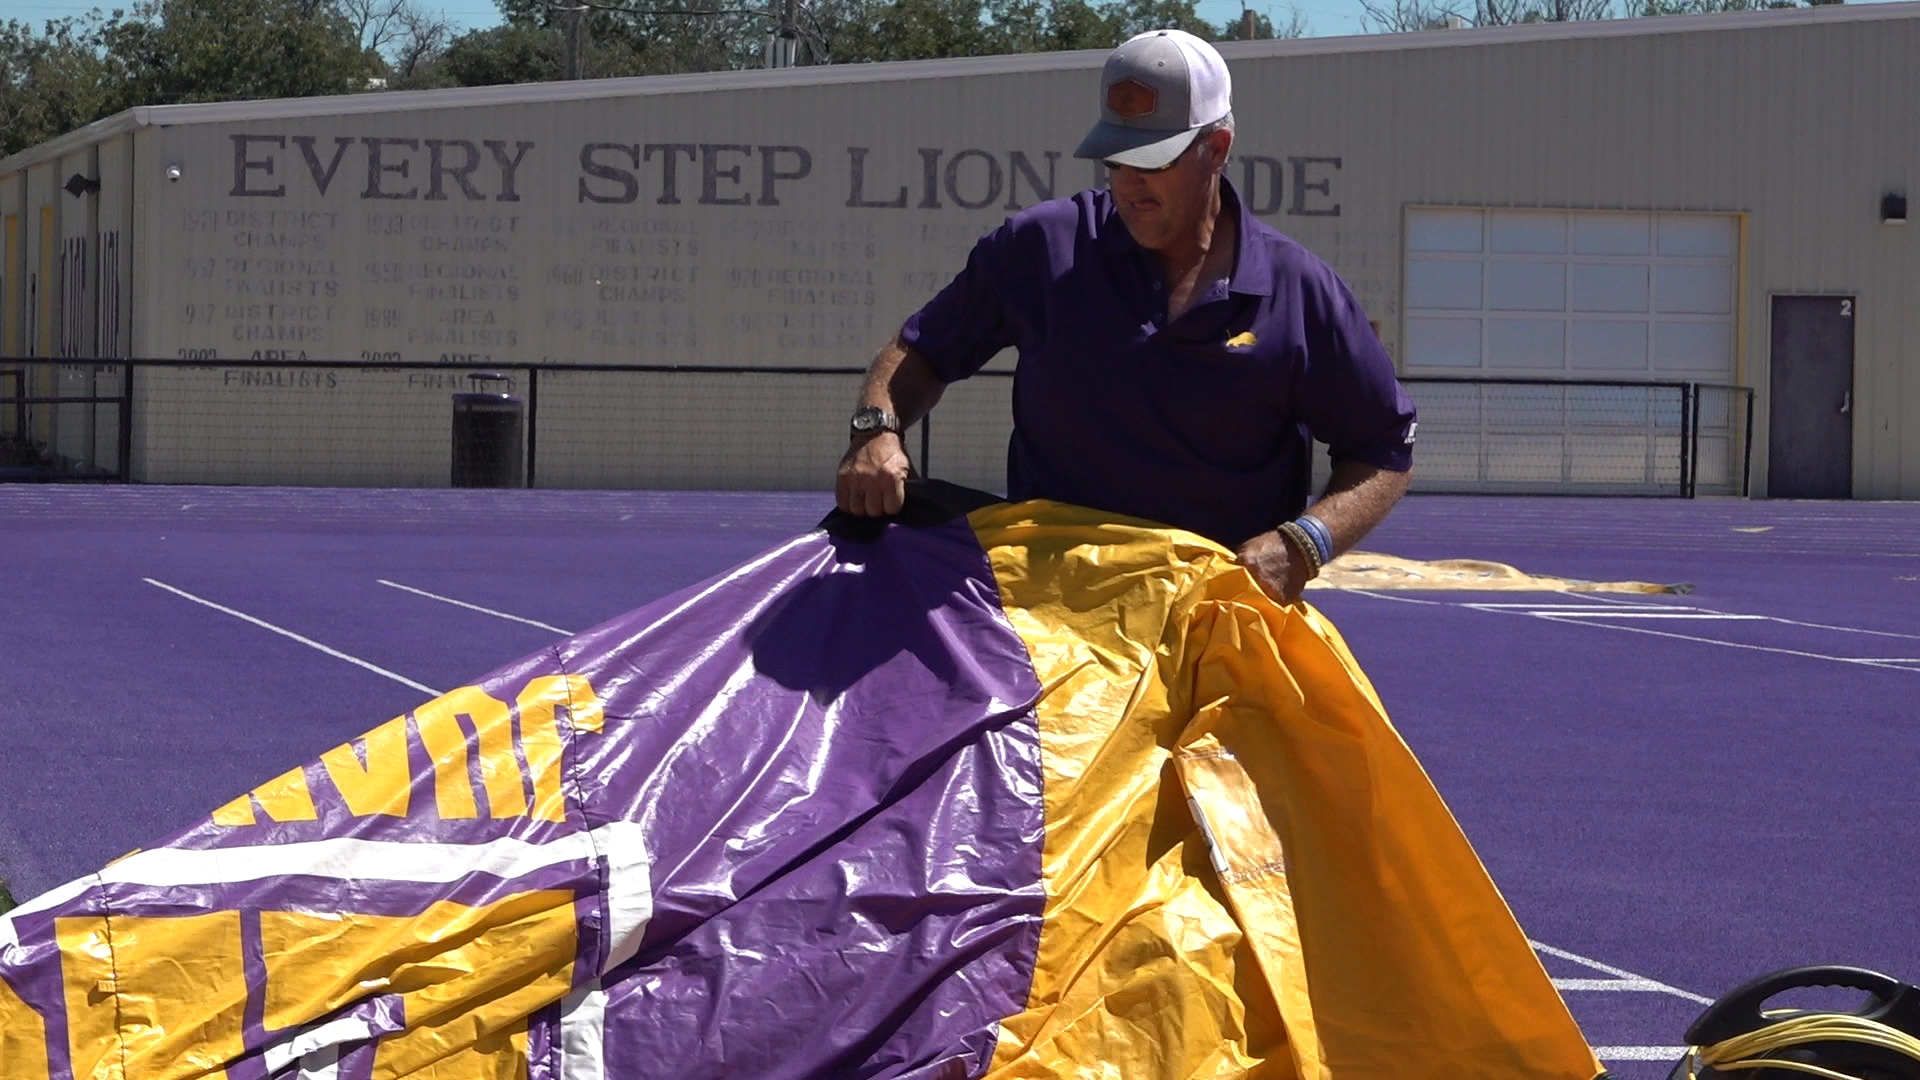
(1204, 422)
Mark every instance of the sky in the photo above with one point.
(1324, 17)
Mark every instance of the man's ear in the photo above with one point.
(1219, 145)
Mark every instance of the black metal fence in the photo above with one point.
(1589, 436)
(675, 426)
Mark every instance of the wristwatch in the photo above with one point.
(871, 418)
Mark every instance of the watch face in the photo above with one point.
(866, 420)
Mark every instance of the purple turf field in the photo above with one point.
(1675, 792)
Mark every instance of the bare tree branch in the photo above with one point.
(1406, 16)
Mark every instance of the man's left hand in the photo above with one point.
(1273, 562)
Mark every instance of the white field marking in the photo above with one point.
(1545, 611)
(1546, 605)
(1845, 629)
(1640, 1053)
(1895, 665)
(1398, 599)
(307, 641)
(1644, 983)
(1550, 613)
(473, 607)
(1637, 985)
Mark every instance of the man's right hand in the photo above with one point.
(872, 481)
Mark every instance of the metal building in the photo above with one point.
(1541, 219)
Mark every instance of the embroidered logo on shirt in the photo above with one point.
(1242, 340)
(1131, 98)
(1411, 428)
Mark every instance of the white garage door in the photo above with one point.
(1562, 296)
(1571, 294)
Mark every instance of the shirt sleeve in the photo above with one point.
(969, 321)
(1348, 395)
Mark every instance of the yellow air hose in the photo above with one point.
(1746, 1051)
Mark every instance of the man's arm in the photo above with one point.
(872, 481)
(1357, 498)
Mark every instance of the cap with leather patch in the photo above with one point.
(1130, 98)
(1157, 90)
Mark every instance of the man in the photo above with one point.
(1175, 354)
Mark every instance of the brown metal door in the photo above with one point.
(1810, 413)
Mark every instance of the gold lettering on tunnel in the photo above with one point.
(383, 784)
(373, 774)
(539, 706)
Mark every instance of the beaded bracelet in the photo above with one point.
(1309, 550)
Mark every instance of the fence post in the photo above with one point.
(533, 417)
(926, 445)
(1746, 468)
(126, 422)
(1688, 433)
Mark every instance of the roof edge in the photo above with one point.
(387, 101)
(79, 138)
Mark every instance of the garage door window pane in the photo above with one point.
(1527, 286)
(1533, 344)
(1609, 346)
(1443, 343)
(1437, 283)
(1611, 234)
(1609, 287)
(1694, 290)
(1693, 347)
(1443, 230)
(1527, 233)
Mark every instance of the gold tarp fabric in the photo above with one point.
(1247, 871)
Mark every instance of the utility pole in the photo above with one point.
(1246, 24)
(575, 64)
(783, 48)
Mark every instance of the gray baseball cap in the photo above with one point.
(1157, 91)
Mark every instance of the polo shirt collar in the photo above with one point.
(1252, 266)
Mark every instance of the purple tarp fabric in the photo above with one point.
(860, 713)
(809, 788)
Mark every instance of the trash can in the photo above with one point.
(489, 434)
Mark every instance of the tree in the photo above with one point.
(501, 54)
(1406, 16)
(1703, 7)
(171, 51)
(50, 83)
(1263, 27)
(634, 37)
(404, 36)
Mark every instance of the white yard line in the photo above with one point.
(1889, 666)
(1586, 615)
(302, 639)
(1550, 613)
(1639, 982)
(1611, 985)
(474, 607)
(1543, 605)
(1640, 1053)
(1396, 599)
